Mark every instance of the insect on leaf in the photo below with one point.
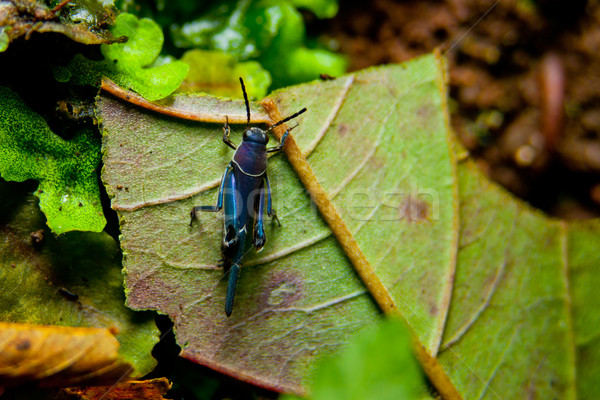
(483, 281)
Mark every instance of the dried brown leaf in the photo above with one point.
(54, 356)
(152, 389)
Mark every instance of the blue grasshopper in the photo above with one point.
(245, 194)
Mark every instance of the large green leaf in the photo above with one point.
(483, 280)
(71, 280)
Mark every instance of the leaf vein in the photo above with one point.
(330, 118)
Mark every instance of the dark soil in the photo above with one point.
(524, 84)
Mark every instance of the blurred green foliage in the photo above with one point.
(217, 73)
(270, 32)
(378, 365)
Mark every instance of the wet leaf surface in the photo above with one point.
(493, 290)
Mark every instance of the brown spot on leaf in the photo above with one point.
(23, 345)
(415, 209)
(282, 290)
(425, 112)
(343, 130)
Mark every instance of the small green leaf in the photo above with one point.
(68, 191)
(378, 364)
(222, 28)
(286, 57)
(144, 43)
(299, 65)
(4, 38)
(133, 65)
(217, 73)
(133, 61)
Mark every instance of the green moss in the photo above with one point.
(66, 170)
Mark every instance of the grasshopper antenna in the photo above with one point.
(286, 119)
(246, 100)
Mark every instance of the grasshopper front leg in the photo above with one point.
(226, 135)
(215, 208)
(283, 138)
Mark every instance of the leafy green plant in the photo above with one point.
(269, 31)
(134, 65)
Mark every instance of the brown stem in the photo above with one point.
(174, 111)
(382, 296)
(59, 6)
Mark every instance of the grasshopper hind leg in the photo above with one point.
(234, 274)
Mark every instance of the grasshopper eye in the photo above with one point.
(256, 135)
